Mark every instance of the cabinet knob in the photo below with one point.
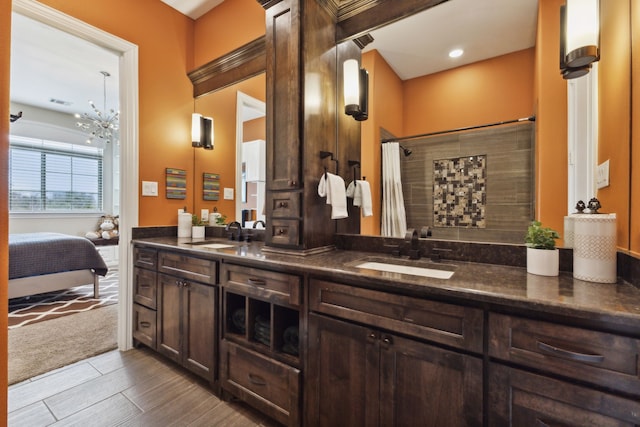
(283, 204)
(281, 231)
(292, 183)
(387, 340)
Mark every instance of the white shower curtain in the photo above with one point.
(394, 217)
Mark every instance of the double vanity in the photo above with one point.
(354, 338)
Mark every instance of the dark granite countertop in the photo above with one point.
(497, 287)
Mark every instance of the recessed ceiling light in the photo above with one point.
(456, 53)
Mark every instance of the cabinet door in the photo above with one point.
(199, 329)
(343, 379)
(169, 312)
(519, 398)
(428, 386)
(283, 98)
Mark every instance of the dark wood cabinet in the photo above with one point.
(363, 376)
(260, 349)
(379, 364)
(187, 318)
(175, 308)
(519, 398)
(561, 375)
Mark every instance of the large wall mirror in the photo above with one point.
(238, 114)
(535, 67)
(504, 83)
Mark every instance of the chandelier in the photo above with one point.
(100, 125)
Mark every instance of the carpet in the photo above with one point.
(37, 308)
(44, 346)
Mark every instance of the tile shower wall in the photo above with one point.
(509, 192)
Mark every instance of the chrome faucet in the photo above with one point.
(238, 227)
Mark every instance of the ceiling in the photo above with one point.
(49, 64)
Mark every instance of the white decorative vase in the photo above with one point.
(197, 231)
(543, 262)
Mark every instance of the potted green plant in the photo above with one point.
(197, 227)
(542, 255)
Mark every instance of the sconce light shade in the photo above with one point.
(196, 130)
(351, 87)
(207, 133)
(201, 131)
(579, 37)
(356, 89)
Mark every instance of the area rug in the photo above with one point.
(44, 346)
(37, 308)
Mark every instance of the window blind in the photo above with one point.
(50, 176)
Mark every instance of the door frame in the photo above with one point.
(128, 83)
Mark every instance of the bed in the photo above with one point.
(44, 262)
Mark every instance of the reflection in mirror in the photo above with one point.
(250, 160)
(416, 92)
(224, 106)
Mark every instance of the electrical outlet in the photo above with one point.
(602, 175)
(228, 193)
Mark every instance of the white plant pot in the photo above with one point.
(543, 262)
(197, 231)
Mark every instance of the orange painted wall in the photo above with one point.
(221, 105)
(255, 129)
(614, 132)
(226, 27)
(634, 245)
(165, 39)
(5, 50)
(385, 110)
(551, 124)
(487, 91)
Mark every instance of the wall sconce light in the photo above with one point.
(579, 37)
(201, 131)
(356, 90)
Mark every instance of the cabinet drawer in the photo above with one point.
(450, 324)
(188, 267)
(598, 357)
(278, 288)
(284, 231)
(145, 257)
(519, 398)
(270, 386)
(144, 325)
(144, 287)
(285, 205)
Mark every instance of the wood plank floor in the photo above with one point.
(133, 388)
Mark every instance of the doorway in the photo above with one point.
(128, 158)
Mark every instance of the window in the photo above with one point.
(48, 176)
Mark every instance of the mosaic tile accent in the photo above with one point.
(460, 192)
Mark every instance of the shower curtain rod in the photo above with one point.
(422, 135)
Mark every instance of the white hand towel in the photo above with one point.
(333, 187)
(364, 190)
(351, 189)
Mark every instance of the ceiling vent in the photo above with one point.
(60, 102)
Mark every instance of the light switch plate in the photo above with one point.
(149, 188)
(602, 175)
(228, 193)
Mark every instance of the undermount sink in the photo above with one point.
(210, 245)
(404, 266)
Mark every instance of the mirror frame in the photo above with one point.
(243, 63)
